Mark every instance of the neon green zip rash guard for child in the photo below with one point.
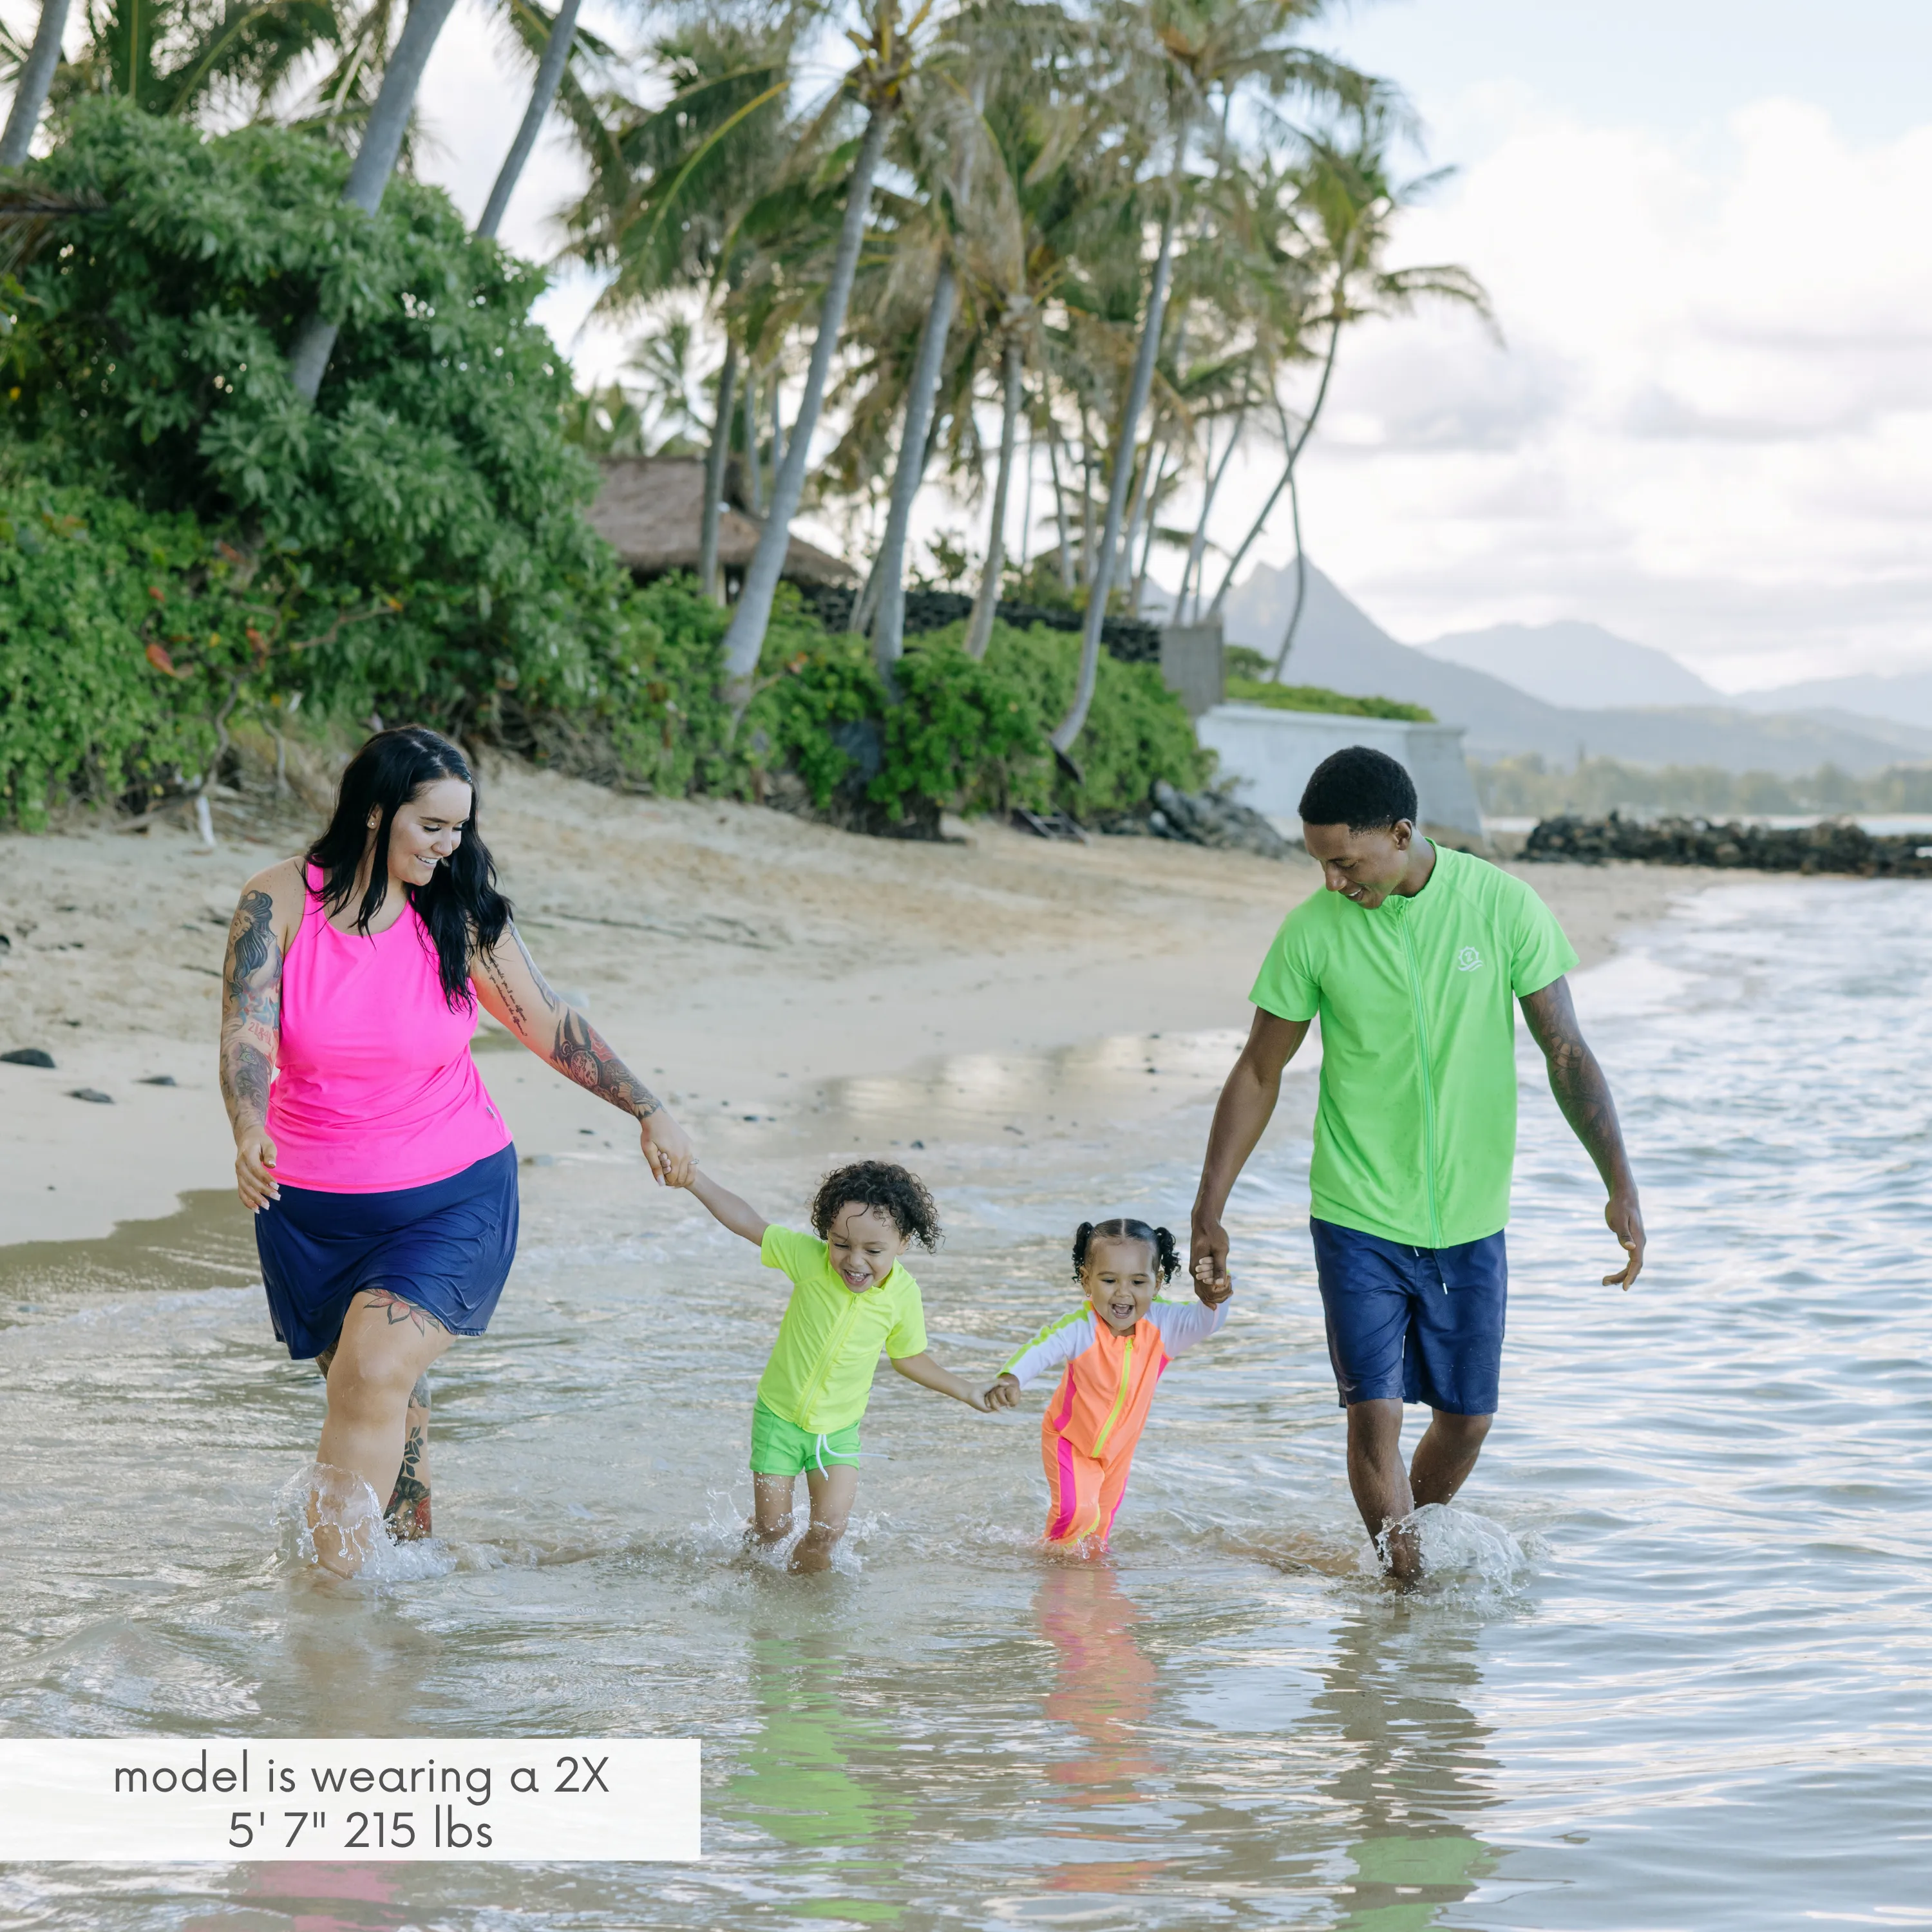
(1415, 1135)
(819, 1376)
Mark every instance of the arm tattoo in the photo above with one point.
(1577, 1081)
(251, 1001)
(582, 1054)
(500, 984)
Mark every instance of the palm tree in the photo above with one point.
(1352, 200)
(1191, 53)
(375, 162)
(878, 81)
(688, 194)
(30, 89)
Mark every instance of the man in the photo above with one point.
(1412, 957)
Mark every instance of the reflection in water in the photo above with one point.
(312, 1898)
(1105, 1688)
(1412, 1771)
(798, 1781)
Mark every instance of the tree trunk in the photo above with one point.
(1196, 570)
(1072, 723)
(754, 470)
(1300, 582)
(1059, 502)
(1300, 442)
(1148, 536)
(928, 365)
(746, 637)
(711, 584)
(375, 162)
(979, 632)
(550, 72)
(30, 91)
(1122, 566)
(1086, 499)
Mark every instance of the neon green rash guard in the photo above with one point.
(1415, 1135)
(819, 1376)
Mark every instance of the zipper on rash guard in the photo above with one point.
(1428, 1084)
(828, 1355)
(1119, 1398)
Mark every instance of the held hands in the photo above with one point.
(1625, 1220)
(254, 1158)
(666, 1149)
(1207, 1263)
(1004, 1393)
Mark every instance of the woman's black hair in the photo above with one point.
(460, 907)
(1166, 1255)
(897, 1194)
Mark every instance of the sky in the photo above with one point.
(1704, 227)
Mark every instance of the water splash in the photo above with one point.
(345, 1500)
(1466, 1558)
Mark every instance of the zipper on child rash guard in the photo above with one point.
(828, 1355)
(1428, 1084)
(1120, 1397)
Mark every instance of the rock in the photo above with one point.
(1832, 845)
(157, 1080)
(93, 1093)
(28, 1056)
(1205, 818)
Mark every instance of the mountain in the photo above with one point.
(1579, 666)
(1338, 645)
(1904, 699)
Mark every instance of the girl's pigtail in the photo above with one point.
(1167, 1256)
(1081, 1236)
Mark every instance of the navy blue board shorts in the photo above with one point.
(445, 1247)
(1413, 1325)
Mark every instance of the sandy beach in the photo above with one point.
(743, 958)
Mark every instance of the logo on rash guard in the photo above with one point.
(1468, 960)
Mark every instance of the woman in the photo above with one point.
(381, 1176)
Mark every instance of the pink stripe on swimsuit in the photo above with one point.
(375, 1089)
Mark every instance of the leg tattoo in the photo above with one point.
(407, 1514)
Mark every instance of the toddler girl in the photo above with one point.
(850, 1298)
(1115, 1348)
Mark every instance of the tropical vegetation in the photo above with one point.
(278, 437)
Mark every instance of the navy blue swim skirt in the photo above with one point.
(1413, 1325)
(446, 1248)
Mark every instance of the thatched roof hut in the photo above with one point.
(650, 510)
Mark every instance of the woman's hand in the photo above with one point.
(667, 1147)
(254, 1156)
(1004, 1393)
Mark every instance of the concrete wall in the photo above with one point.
(1191, 664)
(1269, 754)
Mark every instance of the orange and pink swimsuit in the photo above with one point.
(1087, 1435)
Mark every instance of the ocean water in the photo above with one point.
(1673, 1667)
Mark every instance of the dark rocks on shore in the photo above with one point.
(1834, 845)
(93, 1093)
(1198, 818)
(28, 1056)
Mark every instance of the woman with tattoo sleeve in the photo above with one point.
(381, 1176)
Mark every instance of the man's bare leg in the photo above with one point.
(1385, 1493)
(406, 1514)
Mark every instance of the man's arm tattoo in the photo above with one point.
(251, 1008)
(1576, 1079)
(580, 1052)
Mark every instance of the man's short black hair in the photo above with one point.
(1364, 789)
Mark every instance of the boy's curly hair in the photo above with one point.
(894, 1191)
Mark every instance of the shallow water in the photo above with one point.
(1672, 1671)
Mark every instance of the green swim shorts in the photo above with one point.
(781, 1448)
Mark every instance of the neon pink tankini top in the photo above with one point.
(375, 1089)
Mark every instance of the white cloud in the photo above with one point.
(1709, 428)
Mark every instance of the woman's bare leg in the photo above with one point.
(385, 1345)
(833, 1493)
(407, 1511)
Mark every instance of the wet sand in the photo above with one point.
(743, 960)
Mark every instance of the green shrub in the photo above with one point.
(1249, 683)
(148, 358)
(127, 638)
